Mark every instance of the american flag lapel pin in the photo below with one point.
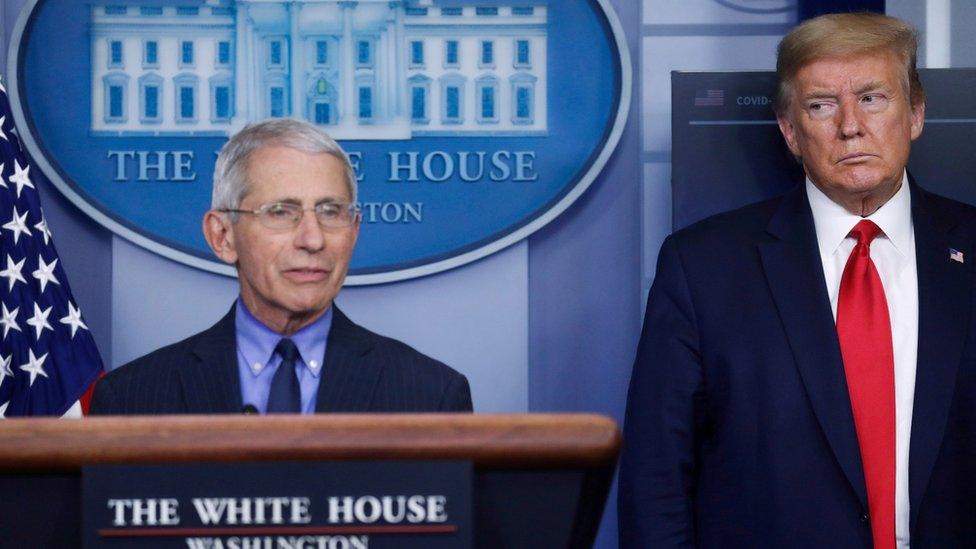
(956, 255)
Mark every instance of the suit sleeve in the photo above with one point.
(457, 395)
(664, 418)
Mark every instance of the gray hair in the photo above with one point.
(230, 181)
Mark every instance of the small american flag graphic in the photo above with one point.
(956, 255)
(710, 98)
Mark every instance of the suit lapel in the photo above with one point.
(349, 377)
(794, 271)
(211, 383)
(943, 318)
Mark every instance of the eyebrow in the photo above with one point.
(297, 202)
(871, 86)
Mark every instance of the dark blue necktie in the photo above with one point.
(285, 396)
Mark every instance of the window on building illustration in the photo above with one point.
(150, 95)
(116, 10)
(418, 103)
(365, 103)
(416, 53)
(115, 53)
(116, 98)
(186, 107)
(521, 53)
(523, 10)
(151, 10)
(223, 52)
(486, 11)
(451, 53)
(452, 11)
(417, 11)
(187, 10)
(221, 103)
(274, 52)
(277, 101)
(323, 112)
(186, 52)
(487, 103)
(364, 53)
(151, 53)
(487, 52)
(150, 102)
(452, 104)
(116, 91)
(523, 103)
(321, 52)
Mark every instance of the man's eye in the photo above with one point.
(279, 210)
(330, 210)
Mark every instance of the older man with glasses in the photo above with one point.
(284, 213)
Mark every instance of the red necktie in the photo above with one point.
(864, 331)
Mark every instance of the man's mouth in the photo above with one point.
(855, 158)
(306, 274)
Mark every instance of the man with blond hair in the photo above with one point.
(806, 369)
(284, 213)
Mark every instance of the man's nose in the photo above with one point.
(850, 123)
(308, 233)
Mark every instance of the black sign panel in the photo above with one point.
(347, 505)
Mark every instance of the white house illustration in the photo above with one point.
(362, 69)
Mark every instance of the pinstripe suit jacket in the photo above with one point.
(363, 372)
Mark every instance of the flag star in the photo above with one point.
(39, 320)
(41, 226)
(18, 225)
(3, 135)
(3, 182)
(74, 319)
(35, 366)
(21, 177)
(45, 272)
(9, 320)
(5, 370)
(3, 409)
(12, 272)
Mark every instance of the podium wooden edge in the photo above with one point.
(495, 441)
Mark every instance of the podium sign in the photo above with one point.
(337, 505)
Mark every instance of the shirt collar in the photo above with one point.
(256, 342)
(833, 223)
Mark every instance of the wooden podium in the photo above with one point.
(540, 480)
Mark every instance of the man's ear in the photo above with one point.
(918, 119)
(219, 233)
(789, 133)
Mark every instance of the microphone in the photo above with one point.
(250, 410)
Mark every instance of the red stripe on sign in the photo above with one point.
(273, 530)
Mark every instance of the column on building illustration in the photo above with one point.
(295, 61)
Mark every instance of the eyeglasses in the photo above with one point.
(286, 215)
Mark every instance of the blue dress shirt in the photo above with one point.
(257, 361)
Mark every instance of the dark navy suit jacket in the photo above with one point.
(362, 372)
(739, 431)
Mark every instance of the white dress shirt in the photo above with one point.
(893, 253)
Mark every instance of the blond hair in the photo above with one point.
(845, 35)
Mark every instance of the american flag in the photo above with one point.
(711, 98)
(48, 358)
